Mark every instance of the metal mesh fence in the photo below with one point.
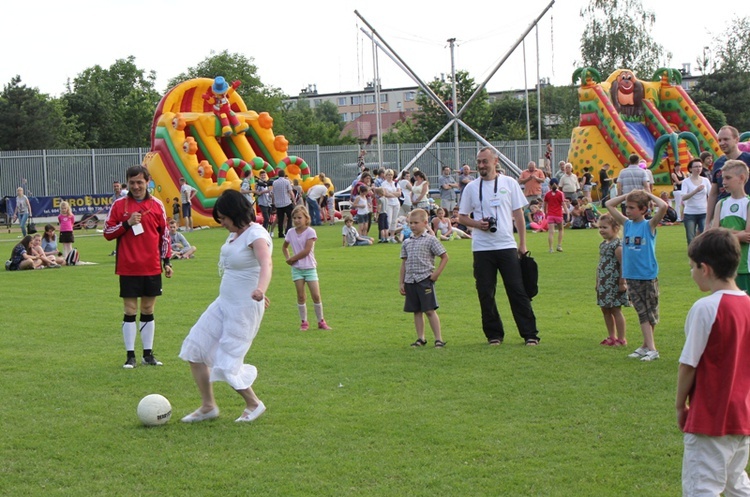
(82, 172)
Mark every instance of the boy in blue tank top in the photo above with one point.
(639, 266)
(732, 213)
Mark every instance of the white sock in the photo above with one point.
(318, 310)
(147, 335)
(302, 308)
(128, 334)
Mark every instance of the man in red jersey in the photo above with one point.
(138, 222)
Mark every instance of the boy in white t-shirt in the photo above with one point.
(713, 383)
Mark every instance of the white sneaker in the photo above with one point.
(638, 353)
(651, 355)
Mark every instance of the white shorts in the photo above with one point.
(712, 465)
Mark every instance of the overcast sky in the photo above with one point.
(295, 43)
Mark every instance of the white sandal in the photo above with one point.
(248, 415)
(197, 416)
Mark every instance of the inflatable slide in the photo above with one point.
(623, 115)
(203, 131)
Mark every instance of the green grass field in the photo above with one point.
(354, 411)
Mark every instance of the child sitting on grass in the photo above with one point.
(713, 382)
(350, 235)
(181, 249)
(418, 276)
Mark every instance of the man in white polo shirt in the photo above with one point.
(490, 204)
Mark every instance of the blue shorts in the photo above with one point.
(186, 212)
(304, 274)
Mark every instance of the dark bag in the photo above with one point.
(31, 227)
(72, 258)
(529, 274)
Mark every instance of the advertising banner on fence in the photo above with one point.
(81, 205)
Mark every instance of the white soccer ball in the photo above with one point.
(154, 410)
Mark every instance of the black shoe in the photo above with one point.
(150, 360)
(129, 363)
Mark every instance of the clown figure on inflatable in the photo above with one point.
(218, 97)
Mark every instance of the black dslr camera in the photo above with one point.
(492, 222)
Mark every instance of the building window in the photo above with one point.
(342, 101)
(410, 95)
(399, 105)
(317, 102)
(355, 115)
(369, 99)
(344, 117)
(357, 100)
(383, 98)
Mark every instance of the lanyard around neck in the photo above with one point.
(481, 187)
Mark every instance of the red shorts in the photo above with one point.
(554, 220)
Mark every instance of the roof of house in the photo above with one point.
(364, 127)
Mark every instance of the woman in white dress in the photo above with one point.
(217, 343)
(404, 184)
(392, 205)
(420, 192)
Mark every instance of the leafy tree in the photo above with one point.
(729, 92)
(233, 66)
(560, 110)
(405, 132)
(114, 106)
(727, 87)
(30, 120)
(508, 118)
(618, 36)
(715, 117)
(304, 125)
(431, 118)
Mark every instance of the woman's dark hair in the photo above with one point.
(235, 206)
(419, 174)
(26, 242)
(47, 229)
(691, 161)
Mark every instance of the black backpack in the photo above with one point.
(529, 274)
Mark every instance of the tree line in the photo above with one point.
(113, 107)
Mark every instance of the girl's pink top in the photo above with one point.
(298, 241)
(66, 222)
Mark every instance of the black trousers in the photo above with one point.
(486, 266)
(282, 212)
(265, 210)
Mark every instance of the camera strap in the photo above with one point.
(481, 187)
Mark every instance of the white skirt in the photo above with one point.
(221, 338)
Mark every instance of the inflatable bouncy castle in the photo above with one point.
(657, 120)
(203, 132)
